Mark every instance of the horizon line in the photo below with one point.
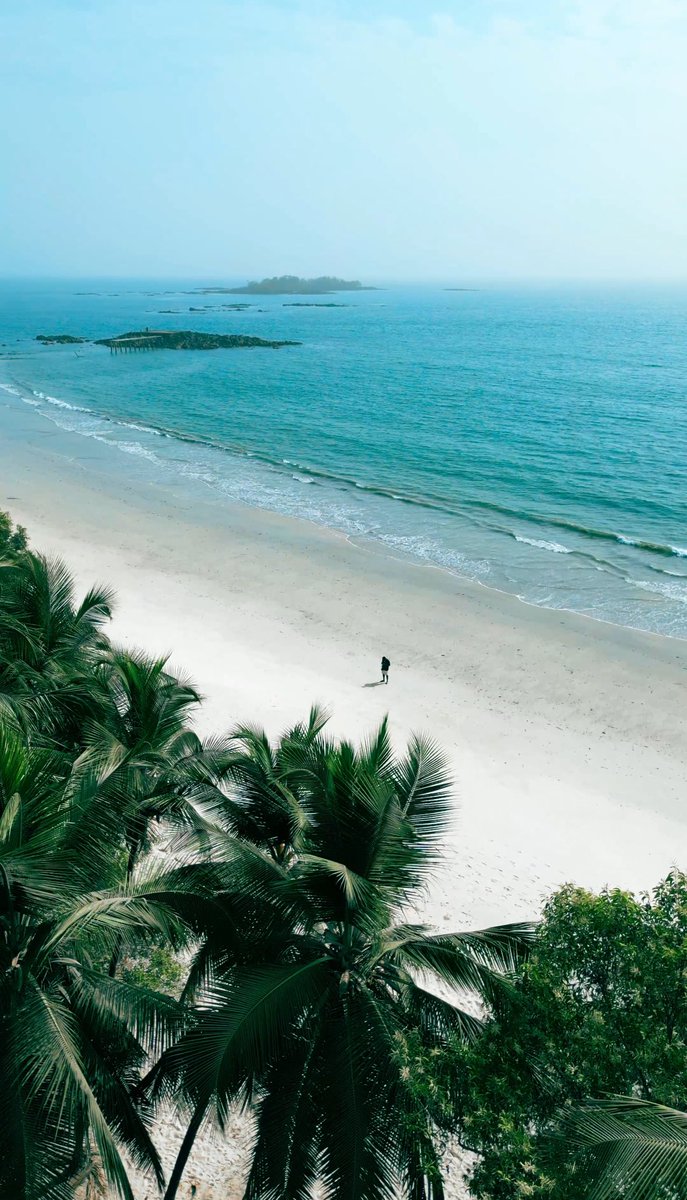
(466, 281)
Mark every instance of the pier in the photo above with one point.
(150, 340)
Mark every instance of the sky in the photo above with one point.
(454, 140)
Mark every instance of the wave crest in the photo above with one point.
(542, 544)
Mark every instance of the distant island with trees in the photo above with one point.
(291, 285)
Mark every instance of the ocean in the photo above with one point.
(531, 438)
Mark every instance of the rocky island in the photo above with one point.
(290, 285)
(186, 339)
(223, 308)
(59, 339)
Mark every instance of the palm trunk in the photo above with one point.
(185, 1150)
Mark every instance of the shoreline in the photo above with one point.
(373, 548)
(379, 539)
(565, 732)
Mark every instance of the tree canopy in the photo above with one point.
(600, 1009)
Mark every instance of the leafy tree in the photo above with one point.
(600, 1008)
(311, 974)
(156, 967)
(13, 538)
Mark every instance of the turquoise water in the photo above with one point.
(533, 439)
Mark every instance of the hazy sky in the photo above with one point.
(408, 139)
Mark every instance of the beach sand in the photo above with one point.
(567, 737)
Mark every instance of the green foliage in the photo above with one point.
(13, 538)
(600, 1008)
(158, 969)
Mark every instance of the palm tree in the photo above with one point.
(265, 804)
(312, 974)
(49, 648)
(142, 745)
(629, 1147)
(150, 765)
(72, 1040)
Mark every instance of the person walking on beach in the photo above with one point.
(385, 669)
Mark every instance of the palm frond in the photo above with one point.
(438, 1018)
(480, 961)
(285, 1155)
(240, 1025)
(56, 1077)
(357, 1081)
(305, 733)
(629, 1147)
(152, 1018)
(424, 785)
(113, 915)
(97, 605)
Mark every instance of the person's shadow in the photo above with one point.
(377, 683)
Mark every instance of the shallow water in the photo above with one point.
(534, 439)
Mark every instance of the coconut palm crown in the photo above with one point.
(312, 973)
(50, 646)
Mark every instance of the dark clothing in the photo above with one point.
(385, 665)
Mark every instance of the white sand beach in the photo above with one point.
(567, 737)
